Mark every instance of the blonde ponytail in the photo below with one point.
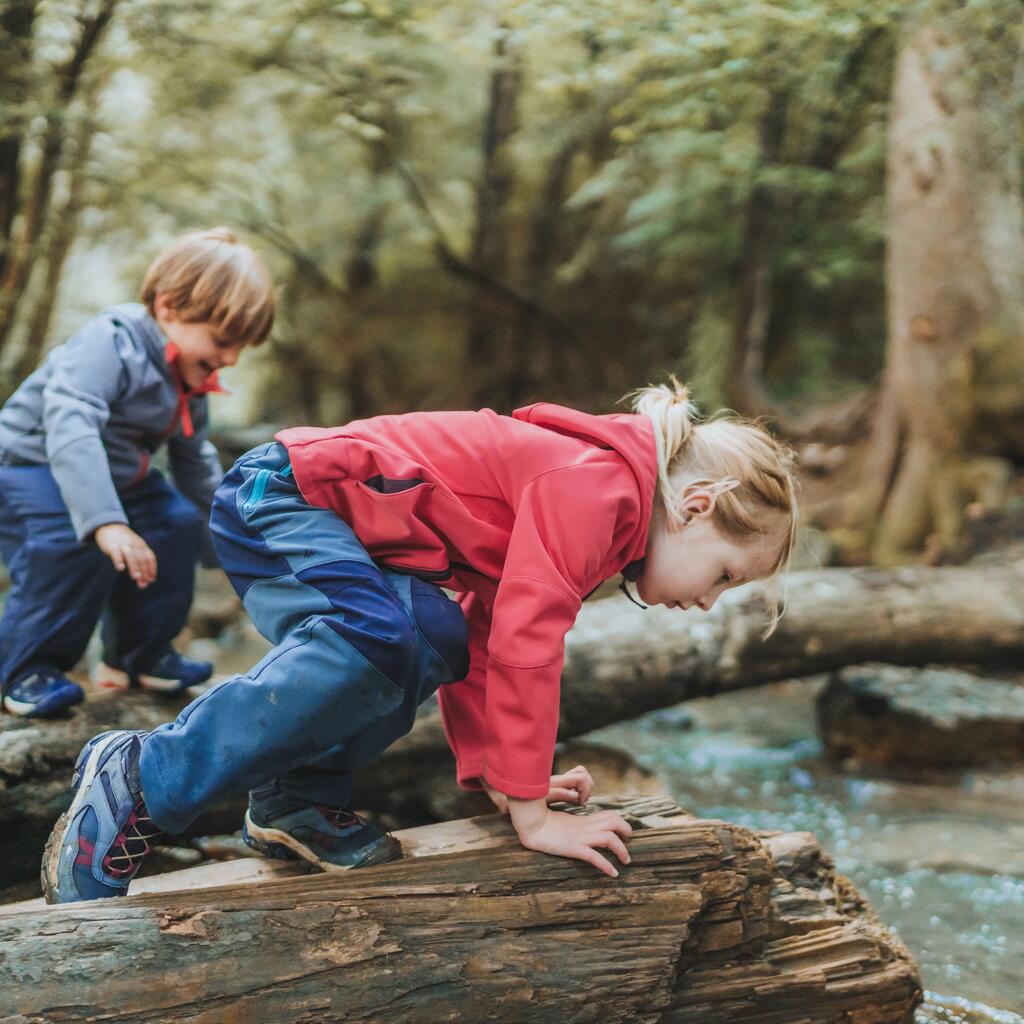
(670, 410)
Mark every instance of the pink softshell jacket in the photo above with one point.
(522, 516)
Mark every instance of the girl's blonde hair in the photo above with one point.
(725, 449)
(213, 278)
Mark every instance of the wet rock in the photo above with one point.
(933, 717)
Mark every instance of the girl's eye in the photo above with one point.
(726, 578)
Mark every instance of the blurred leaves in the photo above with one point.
(348, 140)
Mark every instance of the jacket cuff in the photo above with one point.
(519, 790)
(87, 527)
(467, 775)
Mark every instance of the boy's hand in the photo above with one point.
(574, 787)
(127, 550)
(579, 836)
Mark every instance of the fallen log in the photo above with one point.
(711, 924)
(620, 663)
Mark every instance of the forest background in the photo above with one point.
(811, 211)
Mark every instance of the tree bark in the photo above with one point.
(744, 384)
(35, 209)
(488, 337)
(703, 926)
(621, 662)
(955, 281)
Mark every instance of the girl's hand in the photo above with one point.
(499, 799)
(574, 787)
(127, 550)
(578, 836)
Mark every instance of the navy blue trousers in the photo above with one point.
(61, 587)
(357, 650)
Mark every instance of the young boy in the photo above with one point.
(87, 528)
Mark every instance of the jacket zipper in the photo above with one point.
(259, 486)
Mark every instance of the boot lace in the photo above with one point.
(338, 818)
(133, 844)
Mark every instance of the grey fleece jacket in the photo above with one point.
(97, 409)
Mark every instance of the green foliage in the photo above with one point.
(648, 153)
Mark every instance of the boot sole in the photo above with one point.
(23, 709)
(49, 874)
(279, 845)
(105, 677)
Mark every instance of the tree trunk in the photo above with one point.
(951, 391)
(703, 926)
(744, 384)
(59, 239)
(620, 663)
(34, 212)
(489, 337)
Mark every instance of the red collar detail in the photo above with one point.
(209, 386)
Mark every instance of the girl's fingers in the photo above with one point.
(614, 823)
(602, 864)
(610, 841)
(568, 795)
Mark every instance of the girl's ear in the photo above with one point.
(699, 497)
(696, 502)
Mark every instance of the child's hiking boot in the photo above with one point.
(284, 827)
(41, 693)
(170, 673)
(96, 848)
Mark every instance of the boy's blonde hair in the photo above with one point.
(721, 448)
(213, 278)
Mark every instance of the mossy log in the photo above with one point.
(711, 924)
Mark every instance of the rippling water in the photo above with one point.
(941, 858)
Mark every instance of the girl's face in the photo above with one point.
(200, 351)
(691, 565)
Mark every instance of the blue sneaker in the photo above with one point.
(170, 673)
(42, 693)
(98, 845)
(283, 827)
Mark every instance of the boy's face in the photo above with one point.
(201, 351)
(693, 564)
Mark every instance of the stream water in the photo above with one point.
(941, 857)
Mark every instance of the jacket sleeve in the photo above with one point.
(76, 406)
(196, 468)
(564, 530)
(463, 703)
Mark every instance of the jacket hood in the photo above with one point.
(629, 434)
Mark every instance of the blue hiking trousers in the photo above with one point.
(61, 586)
(357, 650)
